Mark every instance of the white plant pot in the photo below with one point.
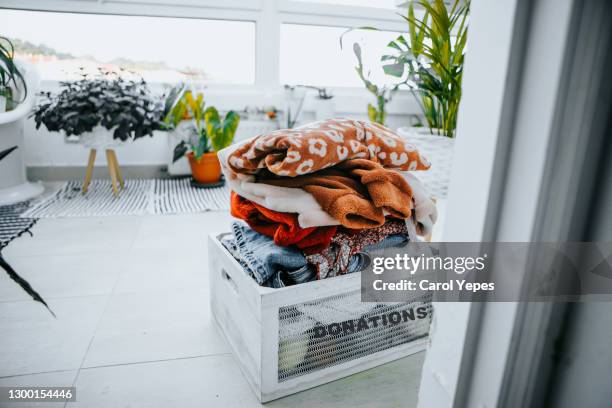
(14, 186)
(438, 150)
(181, 133)
(421, 131)
(100, 139)
(2, 103)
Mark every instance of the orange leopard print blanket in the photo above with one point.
(312, 147)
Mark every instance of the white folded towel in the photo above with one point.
(425, 211)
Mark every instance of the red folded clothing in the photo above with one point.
(282, 227)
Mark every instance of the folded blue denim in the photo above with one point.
(276, 266)
(391, 241)
(264, 258)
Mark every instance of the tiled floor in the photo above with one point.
(133, 325)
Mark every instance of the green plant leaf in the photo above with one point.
(230, 125)
(372, 113)
(396, 70)
(179, 151)
(212, 120)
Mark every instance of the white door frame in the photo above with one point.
(511, 82)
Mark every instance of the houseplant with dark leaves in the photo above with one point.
(108, 100)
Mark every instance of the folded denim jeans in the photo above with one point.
(391, 241)
(274, 266)
(263, 257)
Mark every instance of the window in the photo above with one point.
(310, 55)
(216, 51)
(381, 4)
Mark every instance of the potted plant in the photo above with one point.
(18, 82)
(11, 80)
(103, 112)
(382, 93)
(179, 126)
(430, 61)
(108, 102)
(209, 134)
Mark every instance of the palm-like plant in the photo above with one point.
(9, 73)
(431, 60)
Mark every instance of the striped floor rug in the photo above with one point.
(177, 196)
(12, 222)
(13, 225)
(139, 197)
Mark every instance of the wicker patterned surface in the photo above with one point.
(439, 151)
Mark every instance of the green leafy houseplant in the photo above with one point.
(210, 132)
(10, 77)
(108, 101)
(382, 93)
(431, 60)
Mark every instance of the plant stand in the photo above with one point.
(113, 169)
(98, 140)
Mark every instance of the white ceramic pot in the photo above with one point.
(2, 103)
(14, 186)
(438, 150)
(100, 139)
(420, 130)
(181, 133)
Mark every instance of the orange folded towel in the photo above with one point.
(282, 227)
(308, 148)
(358, 193)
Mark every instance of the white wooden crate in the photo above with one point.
(294, 338)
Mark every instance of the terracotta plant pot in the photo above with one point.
(205, 170)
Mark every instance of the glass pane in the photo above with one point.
(382, 4)
(160, 49)
(311, 55)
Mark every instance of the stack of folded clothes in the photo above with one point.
(319, 198)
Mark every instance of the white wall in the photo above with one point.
(44, 148)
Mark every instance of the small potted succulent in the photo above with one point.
(101, 104)
(208, 133)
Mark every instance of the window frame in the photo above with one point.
(267, 15)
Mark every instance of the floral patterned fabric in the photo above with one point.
(335, 259)
(319, 145)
